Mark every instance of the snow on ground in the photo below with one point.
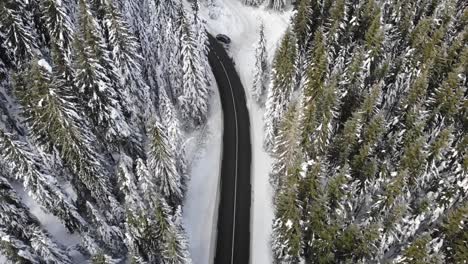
(241, 24)
(204, 150)
(50, 223)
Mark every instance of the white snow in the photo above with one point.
(43, 63)
(200, 211)
(241, 24)
(50, 223)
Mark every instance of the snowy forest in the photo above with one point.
(366, 118)
(96, 97)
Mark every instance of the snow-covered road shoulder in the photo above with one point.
(201, 203)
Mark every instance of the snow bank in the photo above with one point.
(204, 150)
(241, 24)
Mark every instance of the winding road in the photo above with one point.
(233, 232)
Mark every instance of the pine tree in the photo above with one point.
(287, 145)
(195, 95)
(23, 165)
(23, 239)
(172, 124)
(253, 2)
(260, 82)
(162, 164)
(302, 20)
(173, 245)
(95, 78)
(279, 92)
(287, 244)
(199, 29)
(278, 5)
(314, 94)
(58, 23)
(55, 124)
(134, 91)
(18, 32)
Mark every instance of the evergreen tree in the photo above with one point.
(134, 91)
(17, 30)
(55, 123)
(287, 244)
(23, 239)
(23, 165)
(161, 163)
(194, 96)
(287, 145)
(278, 5)
(315, 93)
(95, 77)
(279, 92)
(261, 67)
(172, 123)
(58, 23)
(302, 20)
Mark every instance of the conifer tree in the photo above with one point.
(58, 23)
(54, 123)
(201, 35)
(193, 100)
(253, 2)
(125, 53)
(95, 78)
(315, 93)
(260, 82)
(280, 89)
(287, 145)
(302, 20)
(278, 5)
(23, 165)
(287, 243)
(17, 30)
(162, 165)
(172, 124)
(23, 239)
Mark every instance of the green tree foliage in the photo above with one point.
(379, 174)
(280, 90)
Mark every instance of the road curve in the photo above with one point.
(233, 232)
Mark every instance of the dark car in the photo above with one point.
(223, 38)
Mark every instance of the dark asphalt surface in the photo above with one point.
(233, 236)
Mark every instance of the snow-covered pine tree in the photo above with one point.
(56, 124)
(21, 164)
(172, 123)
(287, 145)
(260, 82)
(278, 5)
(279, 92)
(287, 242)
(193, 101)
(170, 16)
(15, 25)
(124, 52)
(253, 2)
(199, 29)
(58, 23)
(96, 79)
(23, 239)
(302, 21)
(162, 164)
(318, 99)
(172, 242)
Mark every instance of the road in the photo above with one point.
(233, 234)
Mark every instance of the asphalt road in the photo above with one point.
(233, 236)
